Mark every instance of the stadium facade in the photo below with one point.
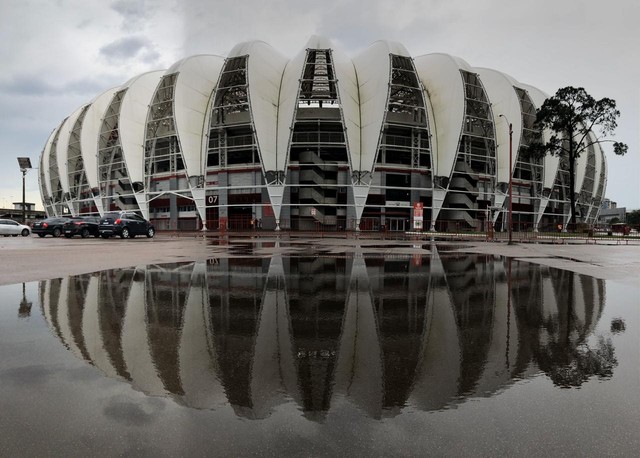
(318, 142)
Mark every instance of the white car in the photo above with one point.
(10, 227)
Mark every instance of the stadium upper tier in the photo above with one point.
(382, 141)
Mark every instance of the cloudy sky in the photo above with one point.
(59, 54)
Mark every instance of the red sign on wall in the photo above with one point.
(417, 215)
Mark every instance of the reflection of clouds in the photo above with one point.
(36, 375)
(324, 333)
(130, 412)
(27, 375)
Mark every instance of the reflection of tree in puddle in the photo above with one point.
(563, 350)
(571, 367)
(618, 325)
(380, 335)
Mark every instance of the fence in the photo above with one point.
(400, 229)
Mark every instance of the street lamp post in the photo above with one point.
(510, 220)
(25, 165)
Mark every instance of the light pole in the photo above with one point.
(510, 220)
(25, 165)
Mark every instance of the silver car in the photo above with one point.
(10, 227)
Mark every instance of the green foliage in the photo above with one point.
(620, 148)
(633, 218)
(575, 121)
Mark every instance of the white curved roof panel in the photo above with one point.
(91, 131)
(63, 148)
(581, 170)
(504, 101)
(54, 179)
(349, 94)
(373, 69)
(291, 76)
(45, 162)
(605, 166)
(265, 68)
(41, 185)
(197, 78)
(132, 121)
(599, 161)
(440, 75)
(551, 163)
(347, 87)
(433, 138)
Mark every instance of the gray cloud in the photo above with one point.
(139, 16)
(130, 10)
(38, 88)
(130, 48)
(21, 85)
(124, 48)
(150, 56)
(27, 85)
(90, 86)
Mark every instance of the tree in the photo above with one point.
(633, 217)
(570, 115)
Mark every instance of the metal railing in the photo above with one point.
(373, 228)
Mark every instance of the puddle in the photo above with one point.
(349, 346)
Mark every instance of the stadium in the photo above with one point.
(322, 141)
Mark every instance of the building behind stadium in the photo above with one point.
(322, 141)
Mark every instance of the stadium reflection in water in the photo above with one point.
(423, 333)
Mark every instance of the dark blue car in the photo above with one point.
(125, 224)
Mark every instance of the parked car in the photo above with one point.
(10, 227)
(125, 224)
(50, 226)
(84, 226)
